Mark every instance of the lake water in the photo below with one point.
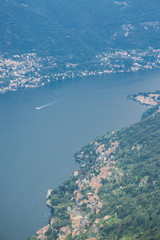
(37, 146)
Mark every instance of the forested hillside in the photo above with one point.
(79, 28)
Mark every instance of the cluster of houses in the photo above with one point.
(80, 219)
(129, 60)
(29, 70)
(150, 100)
(20, 71)
(41, 232)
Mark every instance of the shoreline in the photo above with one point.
(107, 170)
(104, 62)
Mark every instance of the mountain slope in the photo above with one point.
(81, 28)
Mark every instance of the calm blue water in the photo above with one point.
(37, 146)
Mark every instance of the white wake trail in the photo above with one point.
(43, 106)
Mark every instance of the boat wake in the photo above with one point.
(43, 106)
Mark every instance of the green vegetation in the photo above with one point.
(133, 200)
(61, 200)
(150, 111)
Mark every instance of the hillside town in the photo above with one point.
(32, 70)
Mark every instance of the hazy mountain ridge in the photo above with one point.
(80, 28)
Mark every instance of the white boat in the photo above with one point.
(37, 108)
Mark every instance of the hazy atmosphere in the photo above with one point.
(79, 119)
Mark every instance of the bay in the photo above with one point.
(41, 129)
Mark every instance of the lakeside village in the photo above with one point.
(32, 71)
(91, 183)
(85, 200)
(150, 99)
